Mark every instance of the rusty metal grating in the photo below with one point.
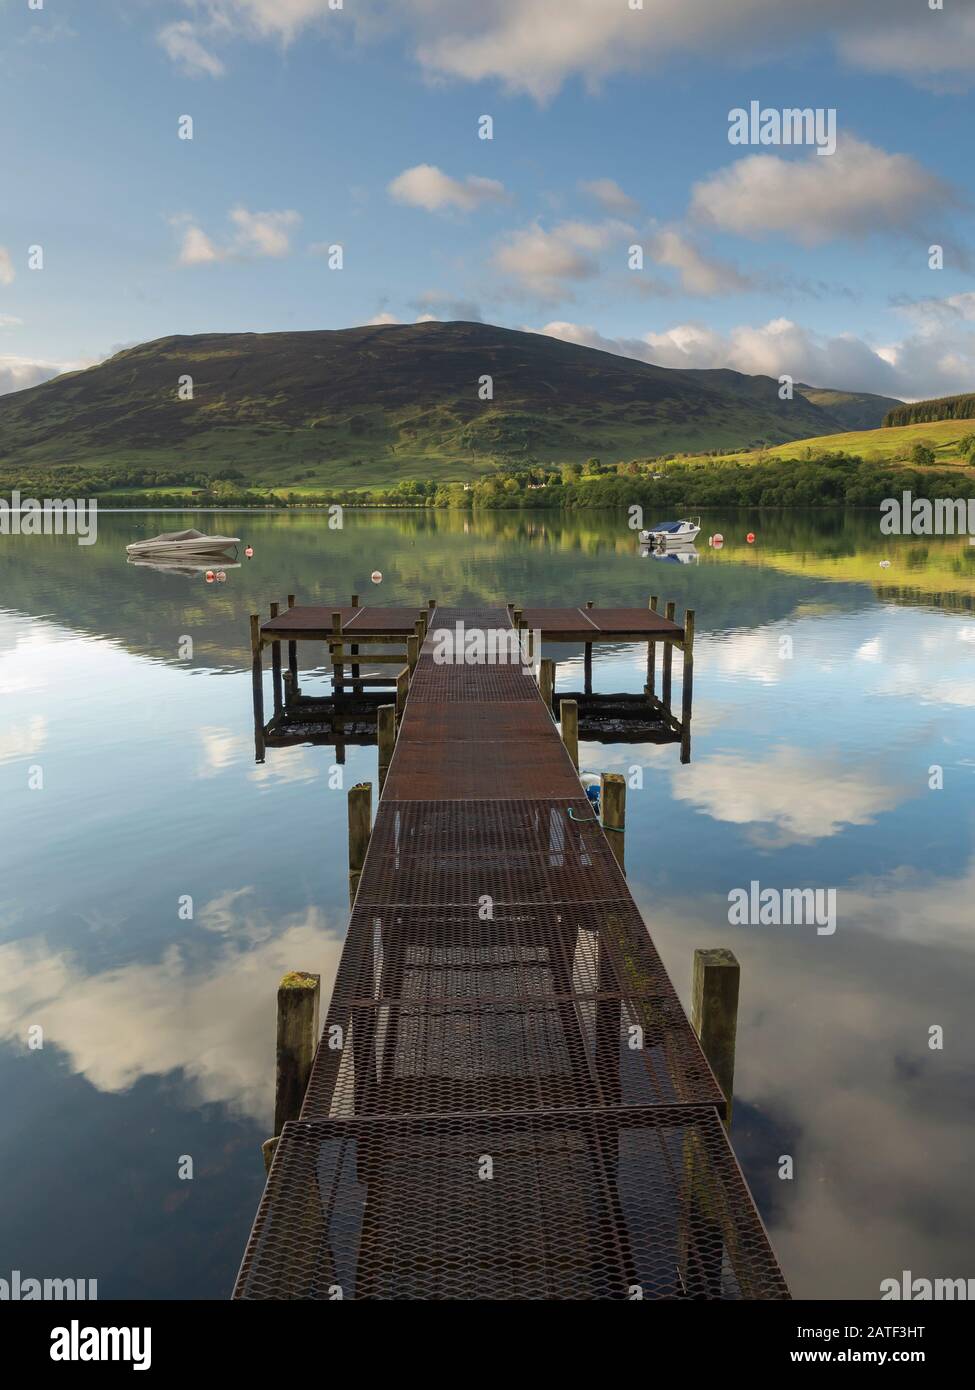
(508, 1101)
(487, 769)
(545, 1054)
(620, 1204)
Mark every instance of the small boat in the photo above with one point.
(184, 543)
(671, 532)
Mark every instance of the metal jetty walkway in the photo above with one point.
(507, 1100)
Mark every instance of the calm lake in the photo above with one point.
(811, 767)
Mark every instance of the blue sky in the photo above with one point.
(315, 126)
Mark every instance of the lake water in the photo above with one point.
(811, 767)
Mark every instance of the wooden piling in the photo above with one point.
(386, 734)
(569, 716)
(612, 810)
(267, 1149)
(402, 690)
(354, 651)
(412, 652)
(276, 667)
(652, 654)
(714, 1013)
(257, 686)
(668, 656)
(336, 653)
(298, 995)
(431, 604)
(293, 651)
(687, 687)
(546, 681)
(360, 829)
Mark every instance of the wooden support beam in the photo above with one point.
(412, 652)
(336, 651)
(714, 1013)
(652, 653)
(546, 681)
(687, 687)
(257, 686)
(276, 667)
(298, 995)
(668, 656)
(402, 691)
(612, 810)
(360, 829)
(386, 734)
(292, 651)
(569, 713)
(431, 604)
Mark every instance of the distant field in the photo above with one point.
(876, 446)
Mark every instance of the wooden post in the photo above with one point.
(298, 995)
(267, 1149)
(257, 686)
(516, 617)
(386, 735)
(402, 690)
(293, 650)
(569, 712)
(687, 687)
(354, 651)
(360, 828)
(587, 669)
(335, 652)
(668, 656)
(422, 625)
(714, 1014)
(412, 651)
(612, 808)
(431, 604)
(652, 655)
(276, 666)
(546, 681)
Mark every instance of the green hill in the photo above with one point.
(367, 407)
(944, 408)
(891, 444)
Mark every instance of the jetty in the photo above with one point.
(506, 1100)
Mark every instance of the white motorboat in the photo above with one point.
(182, 543)
(671, 532)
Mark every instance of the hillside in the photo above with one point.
(890, 444)
(370, 406)
(944, 408)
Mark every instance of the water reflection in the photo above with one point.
(812, 765)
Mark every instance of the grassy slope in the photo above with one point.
(881, 445)
(367, 407)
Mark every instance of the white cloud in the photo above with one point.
(184, 46)
(255, 234)
(197, 248)
(264, 233)
(541, 262)
(426, 186)
(10, 321)
(7, 273)
(382, 320)
(855, 192)
(535, 46)
(699, 274)
(939, 53)
(18, 373)
(937, 358)
(611, 196)
(762, 792)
